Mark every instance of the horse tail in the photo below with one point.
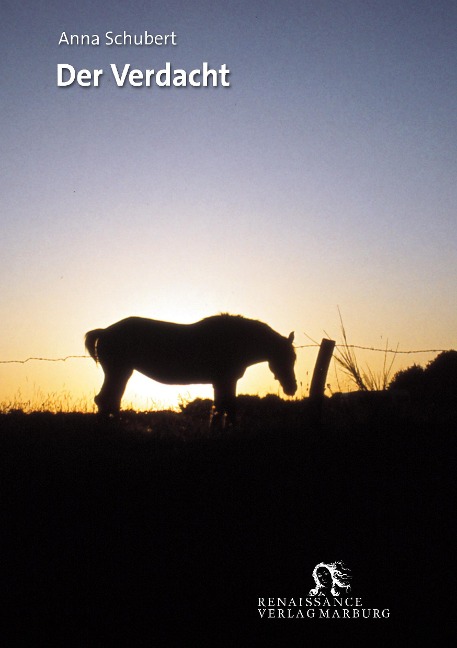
(91, 339)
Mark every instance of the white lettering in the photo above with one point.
(180, 78)
(163, 76)
(120, 79)
(83, 77)
(224, 74)
(79, 39)
(192, 76)
(136, 78)
(61, 67)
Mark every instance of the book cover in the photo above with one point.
(287, 170)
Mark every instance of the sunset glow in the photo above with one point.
(324, 176)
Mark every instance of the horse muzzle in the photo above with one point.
(290, 389)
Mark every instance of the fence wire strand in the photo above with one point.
(366, 348)
(303, 346)
(70, 357)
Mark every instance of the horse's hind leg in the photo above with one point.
(108, 400)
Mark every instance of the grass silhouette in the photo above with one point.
(364, 379)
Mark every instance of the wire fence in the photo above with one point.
(70, 357)
(33, 399)
(303, 346)
(367, 348)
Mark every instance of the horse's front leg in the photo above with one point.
(224, 408)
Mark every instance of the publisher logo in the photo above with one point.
(331, 598)
(332, 579)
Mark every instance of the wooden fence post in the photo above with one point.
(321, 369)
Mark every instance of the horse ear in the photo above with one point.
(291, 337)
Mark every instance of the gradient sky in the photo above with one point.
(324, 176)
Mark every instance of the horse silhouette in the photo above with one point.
(216, 350)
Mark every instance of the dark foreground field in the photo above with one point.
(150, 531)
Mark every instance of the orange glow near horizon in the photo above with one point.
(72, 385)
(324, 176)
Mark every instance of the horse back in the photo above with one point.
(201, 352)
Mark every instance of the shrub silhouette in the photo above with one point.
(441, 375)
(411, 379)
(436, 383)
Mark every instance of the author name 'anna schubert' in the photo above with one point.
(145, 39)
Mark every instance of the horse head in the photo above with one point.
(282, 365)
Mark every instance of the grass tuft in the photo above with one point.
(365, 380)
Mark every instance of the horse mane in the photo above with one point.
(229, 316)
(262, 328)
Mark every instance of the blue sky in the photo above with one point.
(323, 176)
